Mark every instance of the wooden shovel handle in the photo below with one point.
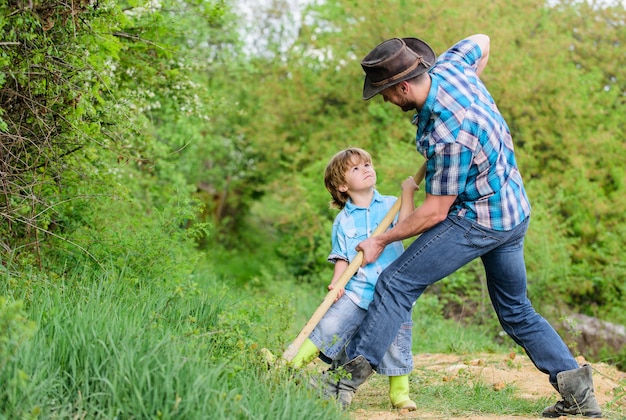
(352, 268)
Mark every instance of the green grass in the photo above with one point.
(92, 345)
(467, 394)
(106, 349)
(432, 333)
(462, 396)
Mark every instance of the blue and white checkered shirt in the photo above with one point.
(468, 144)
(353, 225)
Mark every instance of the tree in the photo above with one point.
(81, 95)
(560, 103)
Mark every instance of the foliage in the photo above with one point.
(581, 191)
(103, 349)
(141, 139)
(431, 319)
(16, 330)
(84, 87)
(48, 93)
(555, 91)
(143, 242)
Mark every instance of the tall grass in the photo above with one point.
(94, 345)
(104, 348)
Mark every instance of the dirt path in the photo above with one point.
(497, 371)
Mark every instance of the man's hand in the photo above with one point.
(372, 248)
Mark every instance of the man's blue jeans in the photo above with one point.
(439, 252)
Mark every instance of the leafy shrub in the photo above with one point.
(15, 330)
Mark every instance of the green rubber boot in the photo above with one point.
(399, 393)
(305, 355)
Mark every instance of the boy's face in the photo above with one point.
(360, 176)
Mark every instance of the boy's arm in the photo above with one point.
(409, 186)
(340, 267)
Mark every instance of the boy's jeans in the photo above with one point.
(337, 326)
(439, 252)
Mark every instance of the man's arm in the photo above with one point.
(483, 42)
(408, 197)
(433, 210)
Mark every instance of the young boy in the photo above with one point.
(351, 180)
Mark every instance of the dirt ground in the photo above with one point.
(498, 371)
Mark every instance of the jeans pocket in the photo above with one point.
(404, 340)
(481, 237)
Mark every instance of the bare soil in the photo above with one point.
(497, 370)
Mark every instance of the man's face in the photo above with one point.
(397, 96)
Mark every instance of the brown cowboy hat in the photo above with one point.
(394, 61)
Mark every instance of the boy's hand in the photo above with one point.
(339, 293)
(409, 184)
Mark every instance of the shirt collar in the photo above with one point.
(350, 206)
(420, 119)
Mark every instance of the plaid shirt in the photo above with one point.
(468, 144)
(353, 225)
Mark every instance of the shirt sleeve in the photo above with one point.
(339, 250)
(466, 51)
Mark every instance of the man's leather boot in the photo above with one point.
(576, 389)
(329, 380)
(354, 374)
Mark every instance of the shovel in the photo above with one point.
(352, 268)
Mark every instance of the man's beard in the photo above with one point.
(408, 107)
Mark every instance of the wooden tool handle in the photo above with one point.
(352, 268)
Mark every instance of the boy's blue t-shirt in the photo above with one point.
(353, 225)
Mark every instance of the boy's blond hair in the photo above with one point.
(335, 173)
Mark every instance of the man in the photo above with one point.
(475, 206)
